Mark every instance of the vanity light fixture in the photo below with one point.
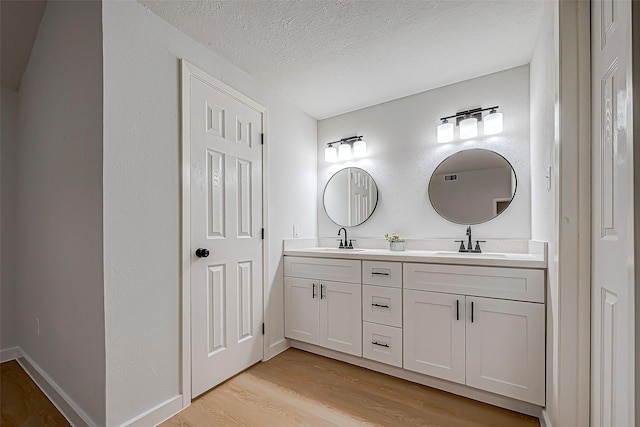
(493, 122)
(468, 122)
(330, 154)
(445, 131)
(468, 127)
(353, 146)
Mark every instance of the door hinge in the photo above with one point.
(262, 139)
(262, 234)
(263, 329)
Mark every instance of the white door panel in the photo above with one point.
(226, 219)
(612, 330)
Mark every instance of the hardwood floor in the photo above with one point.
(23, 404)
(302, 389)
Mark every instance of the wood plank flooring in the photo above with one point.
(302, 389)
(23, 403)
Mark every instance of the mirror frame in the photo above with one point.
(324, 207)
(515, 188)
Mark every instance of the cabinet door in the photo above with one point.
(301, 301)
(341, 317)
(434, 334)
(506, 348)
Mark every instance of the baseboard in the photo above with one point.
(545, 421)
(459, 389)
(160, 413)
(67, 406)
(276, 348)
(10, 354)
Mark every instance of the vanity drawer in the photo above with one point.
(382, 305)
(382, 273)
(336, 270)
(388, 343)
(495, 282)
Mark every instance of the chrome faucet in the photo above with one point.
(348, 244)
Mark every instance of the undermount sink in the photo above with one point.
(470, 254)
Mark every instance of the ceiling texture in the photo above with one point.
(330, 57)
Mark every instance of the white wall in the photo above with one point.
(59, 205)
(403, 153)
(544, 104)
(142, 200)
(8, 178)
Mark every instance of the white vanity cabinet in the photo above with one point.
(323, 302)
(382, 312)
(479, 326)
(434, 334)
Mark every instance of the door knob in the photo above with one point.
(202, 252)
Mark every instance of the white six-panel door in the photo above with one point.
(226, 220)
(612, 297)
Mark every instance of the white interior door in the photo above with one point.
(360, 194)
(226, 220)
(612, 329)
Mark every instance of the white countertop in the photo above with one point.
(517, 260)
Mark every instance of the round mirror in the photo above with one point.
(350, 197)
(472, 186)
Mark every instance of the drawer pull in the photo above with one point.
(457, 309)
(321, 291)
(313, 292)
(471, 311)
(380, 344)
(379, 305)
(377, 273)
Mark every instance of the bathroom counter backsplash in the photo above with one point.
(495, 253)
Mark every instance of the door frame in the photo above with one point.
(570, 397)
(187, 70)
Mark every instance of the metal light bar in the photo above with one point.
(475, 112)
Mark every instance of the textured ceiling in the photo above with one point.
(18, 28)
(329, 57)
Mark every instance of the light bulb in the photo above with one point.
(344, 151)
(360, 148)
(330, 154)
(445, 132)
(469, 128)
(493, 123)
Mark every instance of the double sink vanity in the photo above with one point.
(471, 322)
(472, 319)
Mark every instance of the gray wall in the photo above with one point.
(142, 204)
(403, 153)
(8, 177)
(59, 205)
